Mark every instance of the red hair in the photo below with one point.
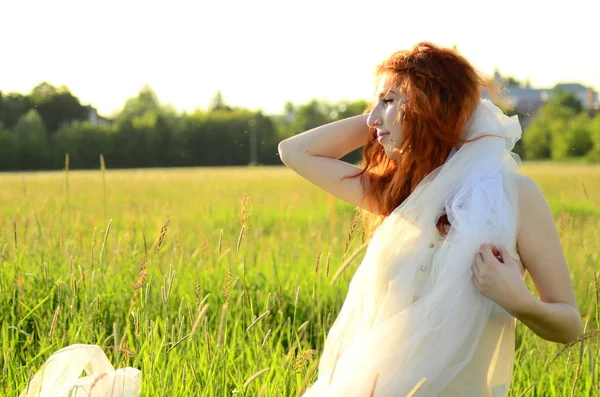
(441, 91)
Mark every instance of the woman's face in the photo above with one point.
(384, 117)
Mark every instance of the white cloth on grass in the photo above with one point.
(60, 375)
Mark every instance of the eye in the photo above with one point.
(388, 101)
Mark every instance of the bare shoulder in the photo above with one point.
(531, 197)
(527, 187)
(533, 206)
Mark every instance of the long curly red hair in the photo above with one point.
(441, 90)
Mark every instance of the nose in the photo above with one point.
(373, 120)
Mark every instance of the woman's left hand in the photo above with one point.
(496, 276)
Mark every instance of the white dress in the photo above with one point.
(489, 372)
(413, 318)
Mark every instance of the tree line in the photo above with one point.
(563, 129)
(38, 129)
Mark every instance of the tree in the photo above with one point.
(594, 130)
(268, 139)
(571, 138)
(56, 106)
(144, 132)
(347, 109)
(312, 115)
(512, 82)
(32, 142)
(537, 140)
(218, 103)
(84, 142)
(12, 107)
(563, 99)
(145, 101)
(8, 149)
(547, 136)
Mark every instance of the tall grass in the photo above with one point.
(221, 282)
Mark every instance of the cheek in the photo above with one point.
(395, 126)
(391, 121)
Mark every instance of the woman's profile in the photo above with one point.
(453, 227)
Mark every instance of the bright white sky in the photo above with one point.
(262, 53)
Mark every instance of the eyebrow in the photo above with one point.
(389, 91)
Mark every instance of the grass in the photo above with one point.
(216, 282)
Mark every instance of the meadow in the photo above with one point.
(218, 281)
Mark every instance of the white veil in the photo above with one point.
(381, 335)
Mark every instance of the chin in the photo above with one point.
(392, 153)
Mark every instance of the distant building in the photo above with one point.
(94, 118)
(586, 95)
(527, 100)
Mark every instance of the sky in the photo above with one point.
(262, 53)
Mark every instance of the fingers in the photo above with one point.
(498, 253)
(488, 255)
(504, 254)
(477, 265)
(479, 259)
(476, 282)
(476, 270)
(486, 265)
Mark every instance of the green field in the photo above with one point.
(234, 292)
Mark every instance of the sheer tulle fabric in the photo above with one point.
(383, 336)
(60, 375)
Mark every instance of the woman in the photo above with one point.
(433, 305)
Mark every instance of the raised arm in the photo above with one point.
(315, 154)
